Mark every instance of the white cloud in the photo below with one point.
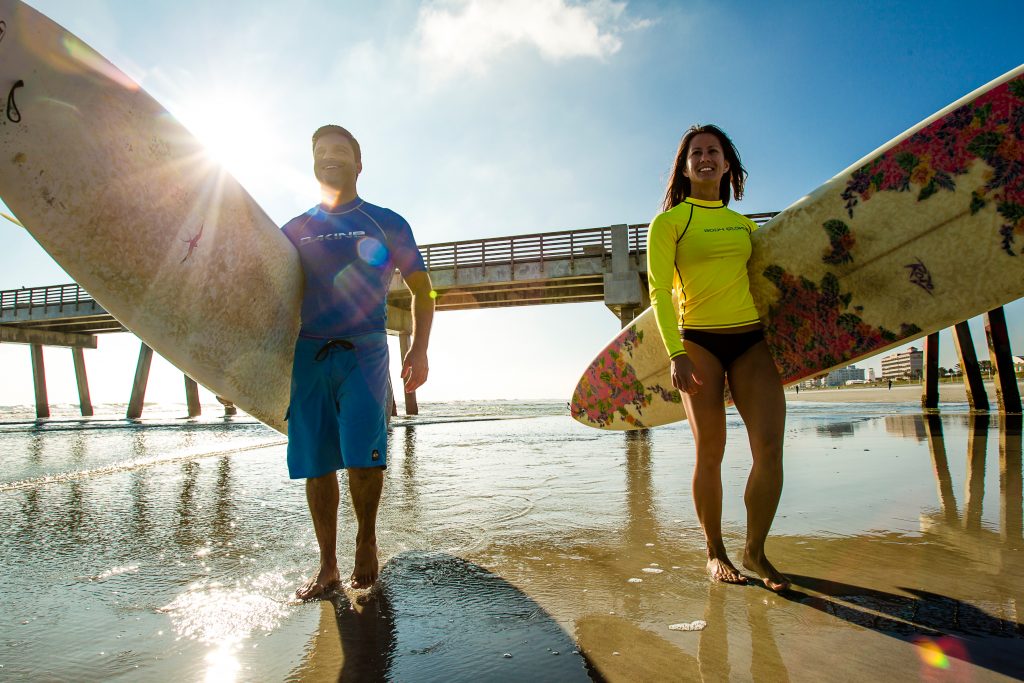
(455, 37)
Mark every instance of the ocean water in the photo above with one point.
(516, 544)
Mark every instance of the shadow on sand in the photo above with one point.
(437, 617)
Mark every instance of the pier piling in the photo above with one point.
(192, 397)
(1007, 393)
(84, 400)
(141, 379)
(39, 378)
(411, 406)
(977, 398)
(930, 392)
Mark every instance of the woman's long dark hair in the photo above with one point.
(679, 185)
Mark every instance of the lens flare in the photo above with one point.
(932, 654)
(92, 60)
(372, 251)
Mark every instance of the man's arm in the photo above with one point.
(414, 365)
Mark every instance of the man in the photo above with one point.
(337, 418)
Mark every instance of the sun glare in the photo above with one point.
(233, 134)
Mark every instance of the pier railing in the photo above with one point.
(31, 298)
(538, 247)
(493, 251)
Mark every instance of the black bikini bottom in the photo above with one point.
(725, 347)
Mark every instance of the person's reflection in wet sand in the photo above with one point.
(354, 642)
(765, 659)
(713, 648)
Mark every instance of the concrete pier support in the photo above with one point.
(141, 379)
(84, 400)
(625, 292)
(976, 395)
(39, 378)
(930, 389)
(229, 407)
(411, 406)
(1007, 393)
(192, 397)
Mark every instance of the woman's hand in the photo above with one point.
(684, 375)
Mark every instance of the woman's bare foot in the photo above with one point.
(366, 569)
(321, 586)
(723, 571)
(773, 579)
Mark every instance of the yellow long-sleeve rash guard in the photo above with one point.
(700, 250)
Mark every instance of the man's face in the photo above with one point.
(334, 161)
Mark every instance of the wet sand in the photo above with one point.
(900, 393)
(176, 559)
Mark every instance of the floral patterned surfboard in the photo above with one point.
(924, 232)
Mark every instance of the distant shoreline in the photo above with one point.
(949, 392)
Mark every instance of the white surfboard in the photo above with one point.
(124, 198)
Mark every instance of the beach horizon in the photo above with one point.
(949, 392)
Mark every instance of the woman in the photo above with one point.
(700, 248)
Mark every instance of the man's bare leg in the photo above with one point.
(366, 484)
(322, 497)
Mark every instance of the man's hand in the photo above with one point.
(414, 369)
(684, 375)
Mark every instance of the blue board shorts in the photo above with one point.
(337, 417)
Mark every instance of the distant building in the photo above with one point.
(1018, 365)
(839, 377)
(871, 374)
(909, 363)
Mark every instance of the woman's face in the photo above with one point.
(705, 160)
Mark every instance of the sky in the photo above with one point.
(482, 118)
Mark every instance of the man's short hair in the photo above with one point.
(331, 128)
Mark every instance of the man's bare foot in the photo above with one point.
(773, 579)
(721, 570)
(321, 586)
(366, 570)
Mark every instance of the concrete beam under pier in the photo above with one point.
(28, 335)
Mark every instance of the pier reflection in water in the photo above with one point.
(169, 553)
